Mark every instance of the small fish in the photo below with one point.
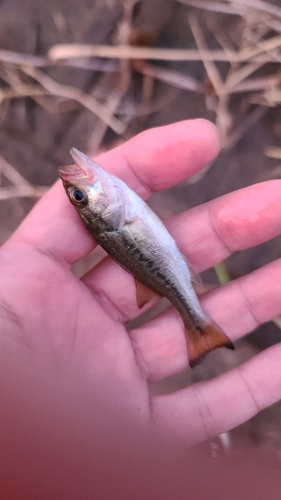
(132, 234)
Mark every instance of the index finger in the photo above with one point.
(155, 159)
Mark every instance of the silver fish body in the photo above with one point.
(132, 234)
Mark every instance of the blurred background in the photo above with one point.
(93, 73)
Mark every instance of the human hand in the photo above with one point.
(64, 326)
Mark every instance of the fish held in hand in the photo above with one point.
(132, 234)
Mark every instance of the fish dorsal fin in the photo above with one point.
(200, 289)
(194, 276)
(144, 294)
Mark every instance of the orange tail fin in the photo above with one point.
(202, 339)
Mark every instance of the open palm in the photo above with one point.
(70, 327)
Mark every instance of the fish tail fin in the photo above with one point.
(202, 339)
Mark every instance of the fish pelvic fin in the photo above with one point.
(202, 339)
(144, 294)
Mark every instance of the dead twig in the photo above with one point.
(223, 118)
(21, 187)
(255, 84)
(19, 59)
(172, 77)
(236, 76)
(69, 51)
(78, 95)
(273, 152)
(11, 57)
(259, 5)
(231, 8)
(77, 55)
(241, 129)
(124, 78)
(22, 192)
(27, 91)
(210, 67)
(12, 174)
(212, 6)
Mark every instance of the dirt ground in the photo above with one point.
(37, 131)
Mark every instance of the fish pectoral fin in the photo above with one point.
(144, 294)
(202, 339)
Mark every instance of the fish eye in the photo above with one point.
(78, 197)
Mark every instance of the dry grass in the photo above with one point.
(20, 187)
(251, 68)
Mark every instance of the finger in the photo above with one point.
(206, 235)
(237, 307)
(220, 404)
(248, 301)
(209, 233)
(154, 160)
(162, 157)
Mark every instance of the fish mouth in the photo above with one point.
(77, 171)
(71, 172)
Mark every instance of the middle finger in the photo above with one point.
(206, 235)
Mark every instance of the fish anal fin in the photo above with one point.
(202, 339)
(144, 294)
